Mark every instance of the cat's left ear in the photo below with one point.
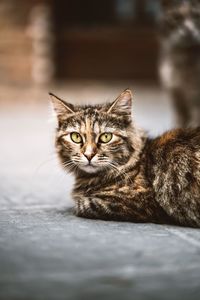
(123, 103)
(61, 107)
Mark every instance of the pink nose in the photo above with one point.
(89, 156)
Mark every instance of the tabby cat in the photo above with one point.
(180, 58)
(120, 173)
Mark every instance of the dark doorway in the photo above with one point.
(106, 39)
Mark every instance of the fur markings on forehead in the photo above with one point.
(88, 124)
(96, 128)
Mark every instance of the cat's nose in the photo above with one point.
(89, 151)
(89, 156)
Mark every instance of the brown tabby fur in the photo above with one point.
(133, 177)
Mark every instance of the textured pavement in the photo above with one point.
(48, 253)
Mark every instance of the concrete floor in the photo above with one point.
(48, 253)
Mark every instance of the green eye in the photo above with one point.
(76, 137)
(105, 137)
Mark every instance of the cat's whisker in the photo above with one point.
(44, 163)
(70, 165)
(67, 163)
(67, 166)
(121, 173)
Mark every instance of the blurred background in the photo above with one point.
(48, 39)
(83, 51)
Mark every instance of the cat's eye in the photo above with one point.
(105, 137)
(76, 137)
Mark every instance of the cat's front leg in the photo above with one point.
(92, 208)
(117, 208)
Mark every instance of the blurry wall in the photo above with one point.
(42, 40)
(106, 39)
(15, 47)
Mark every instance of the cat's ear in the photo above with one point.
(60, 106)
(123, 103)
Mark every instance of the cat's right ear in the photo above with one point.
(123, 103)
(61, 107)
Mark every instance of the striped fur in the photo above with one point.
(132, 177)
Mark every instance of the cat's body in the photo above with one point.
(180, 58)
(162, 186)
(131, 177)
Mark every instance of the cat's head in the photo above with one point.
(180, 23)
(96, 138)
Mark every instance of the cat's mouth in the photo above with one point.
(91, 166)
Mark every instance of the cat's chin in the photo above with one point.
(89, 169)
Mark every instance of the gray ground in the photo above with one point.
(47, 253)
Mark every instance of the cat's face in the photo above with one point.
(94, 138)
(180, 23)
